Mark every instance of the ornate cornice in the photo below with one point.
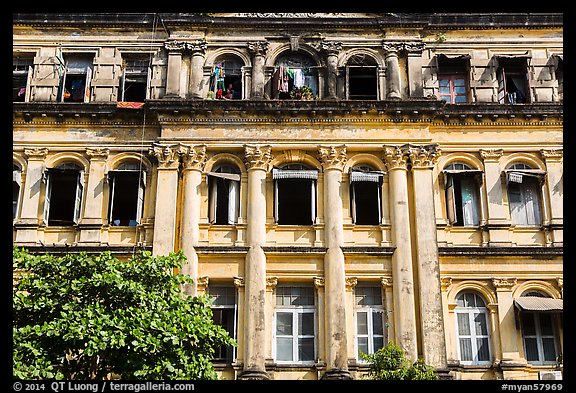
(97, 153)
(193, 157)
(257, 157)
(37, 153)
(167, 155)
(424, 156)
(394, 157)
(332, 157)
(491, 154)
(258, 47)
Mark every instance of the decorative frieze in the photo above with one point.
(257, 157)
(393, 47)
(175, 46)
(193, 157)
(167, 155)
(198, 46)
(332, 157)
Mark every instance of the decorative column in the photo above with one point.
(422, 159)
(175, 49)
(510, 351)
(91, 223)
(166, 198)
(497, 222)
(392, 69)
(258, 50)
(193, 161)
(332, 49)
(27, 224)
(257, 160)
(333, 159)
(198, 49)
(402, 274)
(554, 178)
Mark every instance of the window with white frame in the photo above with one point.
(224, 195)
(127, 185)
(539, 334)
(295, 194)
(472, 321)
(366, 195)
(135, 78)
(524, 189)
(370, 319)
(224, 313)
(16, 185)
(462, 194)
(21, 75)
(295, 324)
(76, 78)
(64, 188)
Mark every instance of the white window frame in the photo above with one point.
(78, 198)
(233, 181)
(370, 311)
(451, 208)
(141, 192)
(28, 74)
(17, 178)
(471, 312)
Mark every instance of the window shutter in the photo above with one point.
(28, 84)
(233, 201)
(516, 203)
(122, 84)
(532, 205)
(79, 191)
(313, 201)
(48, 192)
(87, 87)
(501, 76)
(140, 202)
(213, 199)
(353, 202)
(450, 199)
(347, 82)
(276, 218)
(380, 202)
(148, 79)
(112, 181)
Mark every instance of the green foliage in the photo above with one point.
(85, 316)
(390, 363)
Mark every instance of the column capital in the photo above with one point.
(193, 157)
(331, 47)
(332, 157)
(394, 157)
(257, 157)
(198, 46)
(167, 155)
(271, 283)
(491, 154)
(258, 47)
(351, 283)
(392, 47)
(414, 47)
(36, 153)
(318, 282)
(97, 153)
(504, 284)
(552, 154)
(424, 156)
(202, 283)
(445, 283)
(239, 282)
(175, 46)
(386, 281)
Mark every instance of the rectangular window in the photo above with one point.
(538, 333)
(64, 189)
(453, 78)
(224, 197)
(295, 325)
(135, 79)
(224, 313)
(462, 198)
(512, 76)
(524, 199)
(126, 197)
(362, 82)
(75, 84)
(370, 320)
(21, 75)
(366, 197)
(294, 196)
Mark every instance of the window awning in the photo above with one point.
(516, 175)
(229, 176)
(294, 174)
(366, 176)
(526, 55)
(454, 56)
(457, 171)
(539, 304)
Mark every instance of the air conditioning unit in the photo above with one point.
(550, 375)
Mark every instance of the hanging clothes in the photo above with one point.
(298, 77)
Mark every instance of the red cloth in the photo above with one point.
(129, 105)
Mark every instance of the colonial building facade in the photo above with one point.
(336, 181)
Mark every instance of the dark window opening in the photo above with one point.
(75, 79)
(362, 83)
(294, 202)
(64, 196)
(224, 202)
(512, 81)
(21, 72)
(462, 195)
(226, 79)
(126, 197)
(295, 77)
(224, 314)
(366, 202)
(135, 80)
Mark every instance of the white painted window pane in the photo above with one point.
(362, 345)
(306, 324)
(284, 348)
(463, 324)
(362, 320)
(483, 351)
(284, 323)
(306, 349)
(466, 349)
(480, 324)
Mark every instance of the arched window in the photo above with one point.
(295, 77)
(366, 195)
(472, 321)
(295, 194)
(16, 184)
(462, 194)
(226, 78)
(127, 185)
(64, 189)
(524, 189)
(361, 78)
(224, 195)
(540, 326)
